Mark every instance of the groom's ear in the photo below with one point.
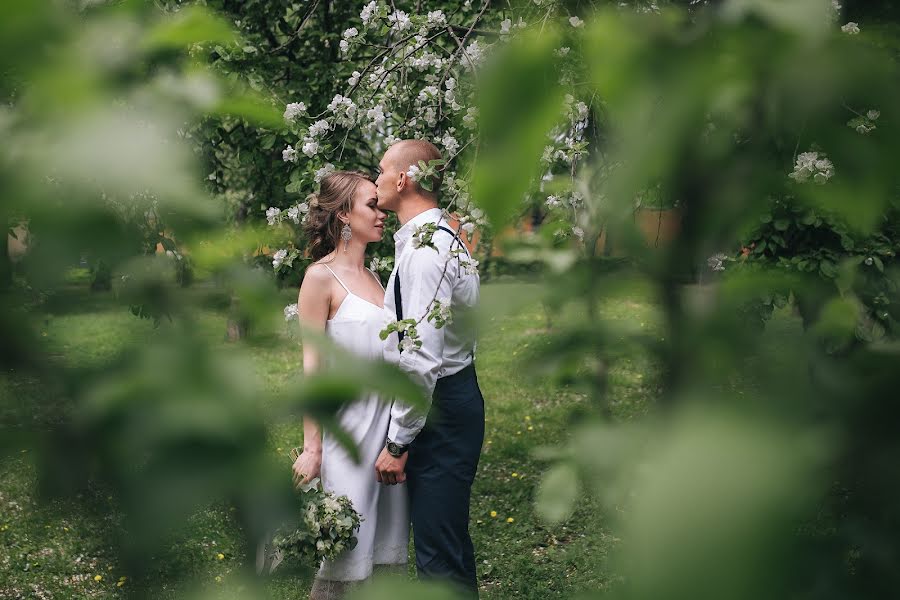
(402, 181)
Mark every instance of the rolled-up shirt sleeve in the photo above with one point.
(423, 278)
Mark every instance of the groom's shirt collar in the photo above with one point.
(403, 235)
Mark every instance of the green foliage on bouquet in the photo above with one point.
(326, 527)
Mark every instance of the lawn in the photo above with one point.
(61, 550)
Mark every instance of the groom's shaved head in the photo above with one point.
(409, 152)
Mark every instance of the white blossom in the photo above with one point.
(561, 51)
(552, 201)
(291, 312)
(413, 173)
(575, 22)
(272, 214)
(319, 128)
(368, 12)
(293, 109)
(469, 227)
(323, 171)
(470, 118)
(289, 154)
(811, 165)
(310, 147)
(407, 344)
(449, 142)
(344, 45)
(436, 18)
(873, 115)
(850, 28)
(293, 214)
(376, 116)
(399, 20)
(716, 262)
(351, 33)
(428, 93)
(278, 258)
(505, 26)
(475, 53)
(354, 78)
(470, 266)
(579, 232)
(344, 110)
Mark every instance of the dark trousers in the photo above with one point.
(441, 468)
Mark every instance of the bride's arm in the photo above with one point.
(314, 305)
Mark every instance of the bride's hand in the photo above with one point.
(307, 466)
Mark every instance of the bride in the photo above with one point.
(345, 300)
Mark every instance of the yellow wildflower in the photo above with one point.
(527, 418)
(493, 513)
(220, 556)
(514, 474)
(510, 520)
(98, 577)
(530, 428)
(218, 579)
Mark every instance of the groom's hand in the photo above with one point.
(390, 470)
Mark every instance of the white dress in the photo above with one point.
(384, 532)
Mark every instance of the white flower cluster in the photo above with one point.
(296, 213)
(369, 11)
(850, 28)
(378, 264)
(293, 110)
(716, 262)
(319, 128)
(323, 171)
(399, 21)
(272, 214)
(834, 12)
(812, 165)
(469, 266)
(440, 313)
(576, 22)
(325, 528)
(291, 312)
(865, 123)
(289, 154)
(437, 18)
(474, 55)
(450, 143)
(344, 110)
(278, 258)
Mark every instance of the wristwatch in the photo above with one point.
(396, 450)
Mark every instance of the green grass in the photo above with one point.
(56, 549)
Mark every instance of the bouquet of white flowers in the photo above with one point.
(325, 528)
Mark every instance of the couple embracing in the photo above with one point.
(415, 469)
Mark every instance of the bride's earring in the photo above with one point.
(346, 234)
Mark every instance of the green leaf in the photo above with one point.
(188, 26)
(878, 263)
(557, 494)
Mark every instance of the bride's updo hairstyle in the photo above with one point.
(322, 227)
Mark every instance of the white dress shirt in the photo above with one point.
(444, 351)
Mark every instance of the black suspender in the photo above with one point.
(398, 298)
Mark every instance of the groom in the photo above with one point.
(436, 456)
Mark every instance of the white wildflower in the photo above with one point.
(289, 154)
(716, 262)
(475, 53)
(850, 28)
(318, 128)
(575, 22)
(450, 143)
(278, 258)
(811, 165)
(292, 110)
(291, 312)
(310, 148)
(552, 201)
(470, 118)
(368, 12)
(272, 214)
(323, 171)
(436, 18)
(399, 20)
